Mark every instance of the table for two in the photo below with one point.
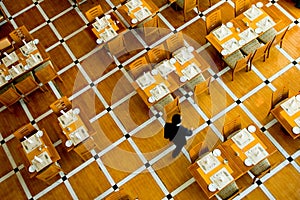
(230, 160)
(169, 75)
(288, 115)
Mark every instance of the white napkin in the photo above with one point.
(38, 159)
(8, 56)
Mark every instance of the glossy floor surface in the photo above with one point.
(132, 152)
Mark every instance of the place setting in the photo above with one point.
(145, 80)
(34, 59)
(253, 12)
(40, 161)
(10, 59)
(28, 47)
(165, 67)
(108, 34)
(220, 179)
(77, 136)
(223, 31)
(243, 138)
(208, 162)
(247, 35)
(67, 118)
(255, 154)
(142, 13)
(31, 143)
(15, 70)
(230, 46)
(159, 91)
(292, 105)
(265, 23)
(191, 71)
(184, 54)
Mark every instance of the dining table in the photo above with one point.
(169, 75)
(135, 12)
(38, 152)
(107, 27)
(74, 128)
(234, 158)
(240, 30)
(288, 115)
(21, 60)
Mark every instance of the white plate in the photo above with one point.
(212, 187)
(183, 79)
(39, 133)
(224, 52)
(296, 130)
(229, 24)
(251, 129)
(134, 20)
(107, 16)
(248, 162)
(258, 30)
(69, 143)
(216, 152)
(76, 111)
(8, 77)
(172, 61)
(242, 42)
(99, 41)
(151, 99)
(259, 4)
(31, 168)
(36, 41)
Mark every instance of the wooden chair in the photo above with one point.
(231, 127)
(94, 12)
(251, 46)
(6, 45)
(278, 96)
(201, 88)
(213, 20)
(241, 6)
(261, 169)
(27, 84)
(279, 37)
(171, 109)
(61, 104)
(175, 42)
(195, 81)
(84, 148)
(49, 173)
(187, 6)
(9, 96)
(3, 16)
(244, 63)
(159, 106)
(268, 35)
(157, 54)
(138, 67)
(23, 131)
(118, 195)
(229, 192)
(46, 73)
(117, 45)
(262, 51)
(151, 29)
(197, 151)
(20, 34)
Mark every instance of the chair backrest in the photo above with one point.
(197, 151)
(117, 45)
(50, 172)
(175, 42)
(190, 5)
(171, 109)
(261, 168)
(201, 87)
(26, 84)
(279, 37)
(24, 131)
(138, 67)
(241, 6)
(242, 63)
(6, 45)
(260, 52)
(278, 96)
(84, 148)
(61, 104)
(213, 20)
(231, 127)
(9, 96)
(151, 27)
(157, 54)
(94, 12)
(19, 34)
(45, 72)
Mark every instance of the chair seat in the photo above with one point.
(260, 167)
(161, 104)
(180, 3)
(268, 35)
(192, 83)
(251, 46)
(228, 191)
(233, 58)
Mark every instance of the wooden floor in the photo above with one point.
(132, 153)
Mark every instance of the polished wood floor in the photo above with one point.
(132, 152)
